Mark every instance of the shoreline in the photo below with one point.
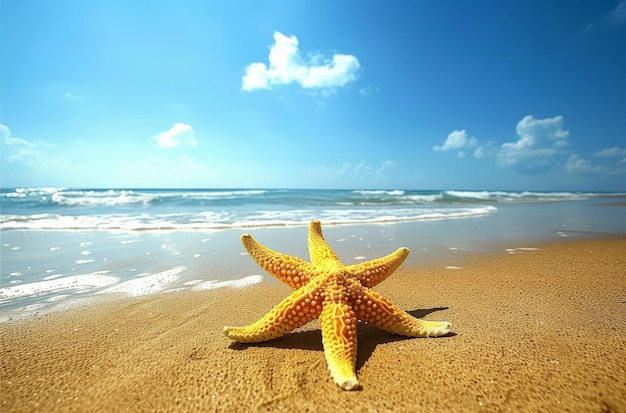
(534, 330)
(45, 270)
(119, 266)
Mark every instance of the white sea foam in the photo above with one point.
(526, 196)
(241, 282)
(146, 285)
(251, 219)
(114, 197)
(99, 198)
(418, 199)
(395, 192)
(227, 194)
(84, 282)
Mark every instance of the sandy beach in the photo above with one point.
(534, 330)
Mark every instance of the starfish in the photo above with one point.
(338, 295)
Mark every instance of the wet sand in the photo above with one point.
(534, 330)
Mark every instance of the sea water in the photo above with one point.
(61, 247)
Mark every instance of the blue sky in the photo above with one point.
(314, 94)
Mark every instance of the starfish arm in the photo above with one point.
(322, 255)
(339, 338)
(373, 272)
(291, 270)
(375, 309)
(302, 306)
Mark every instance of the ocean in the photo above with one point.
(63, 247)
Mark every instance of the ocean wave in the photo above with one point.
(51, 197)
(211, 220)
(226, 194)
(21, 200)
(511, 197)
(110, 198)
(58, 208)
(394, 192)
(403, 200)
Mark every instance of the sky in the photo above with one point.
(516, 95)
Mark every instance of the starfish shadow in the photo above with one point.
(368, 338)
(298, 340)
(423, 312)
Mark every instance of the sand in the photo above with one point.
(537, 330)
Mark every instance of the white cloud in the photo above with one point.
(23, 150)
(576, 164)
(359, 169)
(34, 155)
(10, 140)
(538, 140)
(457, 140)
(368, 90)
(480, 153)
(615, 151)
(356, 172)
(610, 152)
(287, 66)
(386, 168)
(177, 135)
(540, 146)
(485, 151)
(5, 134)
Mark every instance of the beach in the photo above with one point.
(535, 329)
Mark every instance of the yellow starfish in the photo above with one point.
(338, 295)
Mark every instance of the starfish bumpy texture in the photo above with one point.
(338, 295)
